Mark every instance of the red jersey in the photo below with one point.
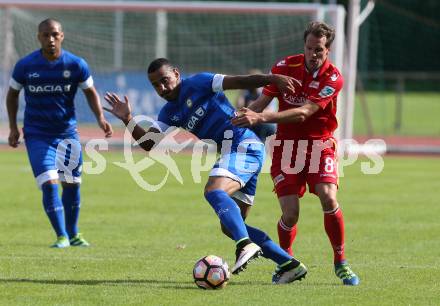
(321, 87)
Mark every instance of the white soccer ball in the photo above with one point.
(211, 272)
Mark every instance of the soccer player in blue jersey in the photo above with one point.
(198, 105)
(50, 78)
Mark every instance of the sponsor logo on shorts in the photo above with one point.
(279, 178)
(327, 175)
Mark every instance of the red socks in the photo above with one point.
(334, 226)
(286, 236)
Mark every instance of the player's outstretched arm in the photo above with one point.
(251, 115)
(122, 110)
(285, 83)
(293, 115)
(95, 106)
(260, 104)
(12, 106)
(247, 117)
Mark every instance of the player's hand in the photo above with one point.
(120, 109)
(106, 127)
(286, 84)
(14, 138)
(246, 117)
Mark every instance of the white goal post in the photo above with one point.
(119, 38)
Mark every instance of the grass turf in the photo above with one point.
(418, 115)
(144, 244)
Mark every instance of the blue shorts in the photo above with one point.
(242, 163)
(55, 158)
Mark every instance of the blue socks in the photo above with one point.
(271, 250)
(71, 203)
(54, 208)
(228, 213)
(230, 216)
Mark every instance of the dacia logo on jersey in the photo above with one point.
(66, 74)
(49, 88)
(195, 118)
(189, 103)
(327, 91)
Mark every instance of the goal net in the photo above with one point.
(119, 39)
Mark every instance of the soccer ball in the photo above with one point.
(211, 272)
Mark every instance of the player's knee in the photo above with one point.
(208, 194)
(49, 182)
(49, 185)
(70, 185)
(290, 219)
(329, 203)
(71, 194)
(290, 214)
(209, 187)
(206, 191)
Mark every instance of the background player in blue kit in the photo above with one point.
(50, 77)
(198, 105)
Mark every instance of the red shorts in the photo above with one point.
(297, 162)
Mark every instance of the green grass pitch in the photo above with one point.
(144, 244)
(418, 118)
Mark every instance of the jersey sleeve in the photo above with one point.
(206, 82)
(217, 83)
(18, 78)
(328, 89)
(163, 120)
(85, 78)
(272, 90)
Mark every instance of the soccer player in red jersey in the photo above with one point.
(304, 149)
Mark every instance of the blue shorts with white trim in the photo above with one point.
(54, 158)
(242, 163)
